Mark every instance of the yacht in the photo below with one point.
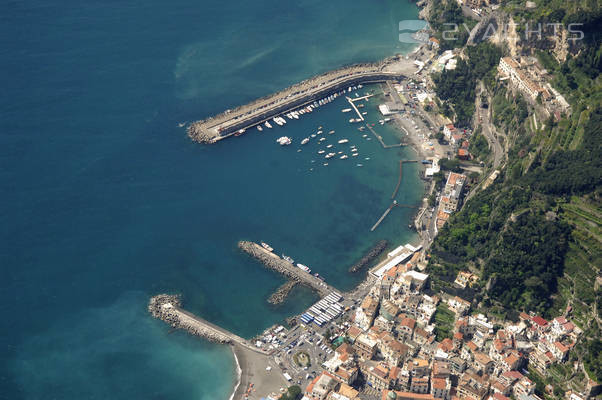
(267, 246)
(259, 128)
(284, 140)
(344, 156)
(267, 124)
(343, 141)
(304, 141)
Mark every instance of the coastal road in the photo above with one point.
(488, 130)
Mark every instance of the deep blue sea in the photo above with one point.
(106, 202)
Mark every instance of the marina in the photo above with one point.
(304, 96)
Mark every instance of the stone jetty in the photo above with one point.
(167, 308)
(280, 265)
(374, 252)
(282, 292)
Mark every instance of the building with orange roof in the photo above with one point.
(320, 386)
(397, 395)
(441, 388)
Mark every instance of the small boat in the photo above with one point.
(360, 106)
(267, 246)
(331, 132)
(321, 151)
(287, 258)
(313, 135)
(329, 155)
(239, 132)
(359, 165)
(343, 141)
(295, 115)
(277, 121)
(346, 109)
(284, 141)
(304, 141)
(322, 139)
(354, 155)
(364, 136)
(259, 128)
(344, 156)
(325, 164)
(267, 124)
(367, 158)
(329, 146)
(365, 113)
(319, 132)
(361, 128)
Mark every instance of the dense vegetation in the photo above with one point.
(293, 393)
(456, 87)
(445, 12)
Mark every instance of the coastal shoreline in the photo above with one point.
(237, 392)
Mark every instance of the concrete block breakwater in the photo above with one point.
(280, 265)
(282, 292)
(223, 125)
(167, 308)
(374, 252)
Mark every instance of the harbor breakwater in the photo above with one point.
(372, 254)
(282, 292)
(280, 265)
(229, 122)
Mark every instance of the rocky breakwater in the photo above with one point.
(275, 263)
(282, 292)
(374, 252)
(167, 308)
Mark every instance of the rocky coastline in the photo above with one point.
(370, 256)
(282, 292)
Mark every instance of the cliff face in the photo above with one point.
(522, 37)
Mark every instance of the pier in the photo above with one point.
(280, 265)
(388, 210)
(400, 175)
(352, 103)
(380, 139)
(228, 123)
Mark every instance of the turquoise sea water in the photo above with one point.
(106, 202)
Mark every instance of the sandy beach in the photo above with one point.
(252, 367)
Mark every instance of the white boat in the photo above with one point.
(329, 146)
(304, 141)
(354, 155)
(259, 128)
(304, 267)
(284, 140)
(287, 258)
(289, 116)
(319, 132)
(329, 155)
(267, 124)
(282, 120)
(277, 121)
(321, 151)
(325, 164)
(343, 141)
(364, 136)
(367, 158)
(295, 115)
(266, 246)
(313, 135)
(346, 109)
(322, 139)
(359, 165)
(331, 132)
(344, 156)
